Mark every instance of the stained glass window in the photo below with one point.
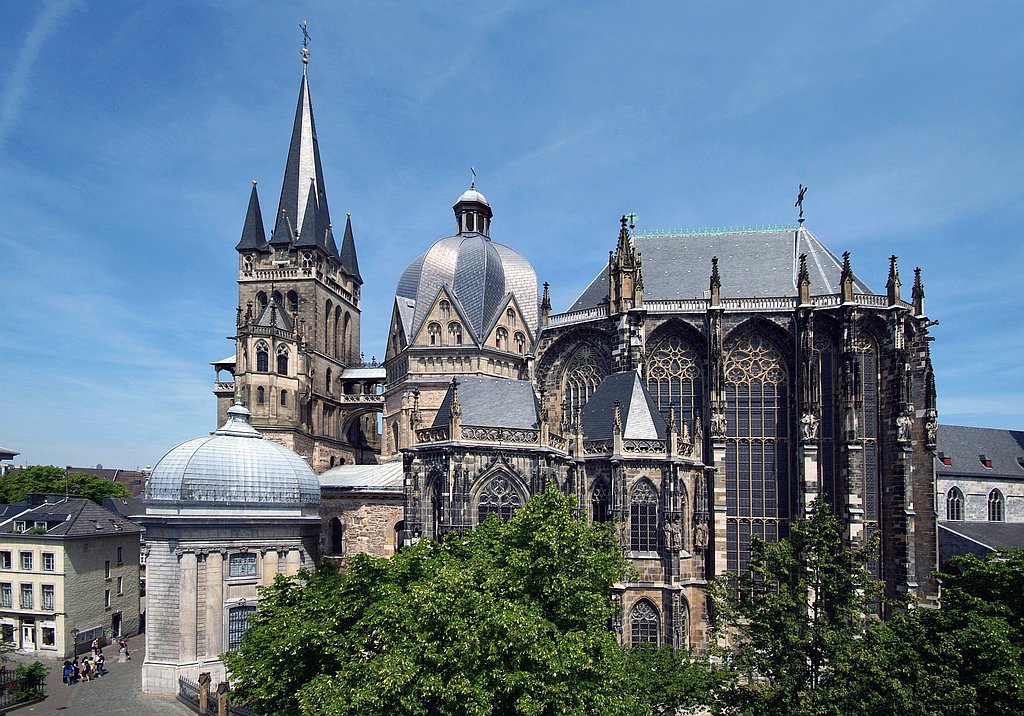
(643, 518)
(601, 502)
(954, 504)
(583, 372)
(644, 624)
(498, 498)
(995, 506)
(674, 376)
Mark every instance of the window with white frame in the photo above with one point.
(996, 506)
(6, 594)
(26, 561)
(27, 596)
(49, 562)
(954, 504)
(47, 595)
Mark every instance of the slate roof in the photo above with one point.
(348, 251)
(492, 402)
(386, 477)
(8, 454)
(254, 237)
(125, 506)
(275, 315)
(753, 264)
(640, 417)
(72, 517)
(964, 446)
(994, 535)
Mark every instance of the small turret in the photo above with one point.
(715, 283)
(846, 279)
(918, 294)
(803, 281)
(892, 286)
(545, 305)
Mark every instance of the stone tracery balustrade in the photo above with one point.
(597, 447)
(506, 435)
(432, 435)
(223, 385)
(369, 398)
(643, 446)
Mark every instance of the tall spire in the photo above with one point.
(303, 164)
(254, 237)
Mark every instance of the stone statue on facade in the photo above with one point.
(809, 427)
(700, 534)
(903, 425)
(719, 424)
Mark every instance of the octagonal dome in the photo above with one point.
(233, 466)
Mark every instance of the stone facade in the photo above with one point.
(368, 522)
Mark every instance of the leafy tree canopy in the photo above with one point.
(47, 479)
(510, 618)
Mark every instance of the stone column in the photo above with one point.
(720, 508)
(270, 566)
(214, 603)
(292, 562)
(188, 572)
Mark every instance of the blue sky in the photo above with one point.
(129, 133)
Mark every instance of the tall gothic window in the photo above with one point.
(346, 335)
(282, 360)
(601, 502)
(261, 395)
(996, 512)
(825, 357)
(238, 624)
(954, 504)
(644, 624)
(757, 481)
(328, 319)
(262, 300)
(337, 329)
(510, 317)
(446, 309)
(327, 381)
(293, 302)
(284, 398)
(674, 377)
(499, 498)
(262, 357)
(583, 372)
(867, 427)
(643, 518)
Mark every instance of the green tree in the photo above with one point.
(669, 682)
(47, 479)
(792, 618)
(510, 618)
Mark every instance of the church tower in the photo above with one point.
(297, 363)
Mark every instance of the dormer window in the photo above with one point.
(510, 318)
(19, 526)
(986, 461)
(946, 459)
(1020, 462)
(446, 309)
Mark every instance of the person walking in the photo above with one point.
(69, 673)
(76, 671)
(100, 668)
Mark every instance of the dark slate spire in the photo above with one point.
(348, 251)
(803, 281)
(283, 234)
(716, 283)
(846, 279)
(254, 237)
(309, 235)
(892, 286)
(303, 164)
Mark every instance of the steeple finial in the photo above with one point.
(305, 45)
(846, 279)
(918, 294)
(803, 280)
(716, 283)
(800, 203)
(472, 183)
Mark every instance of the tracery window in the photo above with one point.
(674, 376)
(601, 505)
(446, 309)
(996, 506)
(247, 262)
(238, 624)
(501, 339)
(757, 480)
(346, 335)
(455, 333)
(282, 360)
(520, 340)
(954, 504)
(825, 361)
(643, 518)
(307, 261)
(499, 498)
(867, 425)
(583, 373)
(644, 624)
(434, 332)
(262, 357)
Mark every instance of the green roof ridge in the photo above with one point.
(679, 233)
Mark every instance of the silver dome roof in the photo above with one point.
(233, 465)
(472, 194)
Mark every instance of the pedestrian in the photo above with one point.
(127, 654)
(95, 645)
(69, 673)
(100, 670)
(86, 670)
(76, 671)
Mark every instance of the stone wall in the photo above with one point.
(367, 520)
(84, 604)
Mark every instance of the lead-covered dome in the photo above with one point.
(233, 466)
(480, 273)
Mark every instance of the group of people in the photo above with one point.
(94, 666)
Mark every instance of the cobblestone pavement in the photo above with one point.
(119, 693)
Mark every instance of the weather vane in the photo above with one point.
(800, 201)
(472, 184)
(305, 42)
(632, 219)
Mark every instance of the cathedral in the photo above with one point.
(704, 389)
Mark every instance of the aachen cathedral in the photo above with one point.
(703, 390)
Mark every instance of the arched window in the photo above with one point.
(996, 505)
(284, 398)
(583, 372)
(446, 309)
(954, 504)
(757, 481)
(307, 261)
(337, 326)
(643, 518)
(282, 360)
(520, 340)
(434, 331)
(261, 395)
(674, 376)
(455, 333)
(601, 506)
(278, 298)
(328, 319)
(238, 624)
(498, 498)
(327, 381)
(510, 317)
(394, 435)
(293, 302)
(501, 339)
(262, 300)
(346, 335)
(262, 357)
(337, 534)
(644, 624)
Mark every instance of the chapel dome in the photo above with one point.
(478, 272)
(233, 466)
